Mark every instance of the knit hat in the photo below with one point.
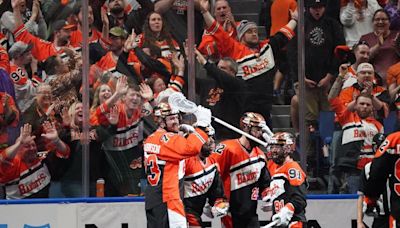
(18, 49)
(364, 67)
(244, 26)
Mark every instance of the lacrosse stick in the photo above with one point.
(271, 224)
(179, 102)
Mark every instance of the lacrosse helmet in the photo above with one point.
(281, 145)
(251, 119)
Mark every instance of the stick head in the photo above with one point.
(178, 101)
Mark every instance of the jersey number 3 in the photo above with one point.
(154, 174)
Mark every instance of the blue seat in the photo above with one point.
(326, 124)
(390, 123)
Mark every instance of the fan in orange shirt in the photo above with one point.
(76, 36)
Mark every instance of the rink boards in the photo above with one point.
(322, 211)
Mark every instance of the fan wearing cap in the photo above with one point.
(41, 49)
(358, 127)
(25, 88)
(242, 165)
(164, 152)
(256, 59)
(322, 35)
(108, 63)
(365, 84)
(361, 53)
(287, 190)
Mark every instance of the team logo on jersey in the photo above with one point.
(201, 187)
(250, 69)
(317, 36)
(214, 96)
(34, 184)
(276, 188)
(246, 176)
(136, 163)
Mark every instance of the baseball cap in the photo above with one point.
(118, 32)
(365, 67)
(18, 49)
(62, 24)
(315, 3)
(243, 26)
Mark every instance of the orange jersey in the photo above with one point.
(108, 63)
(244, 175)
(386, 166)
(22, 180)
(76, 37)
(251, 62)
(129, 129)
(393, 74)
(208, 45)
(41, 49)
(280, 15)
(164, 154)
(287, 188)
(202, 182)
(348, 94)
(357, 134)
(199, 176)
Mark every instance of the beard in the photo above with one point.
(117, 10)
(279, 159)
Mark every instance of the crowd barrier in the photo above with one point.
(327, 211)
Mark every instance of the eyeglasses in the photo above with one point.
(381, 19)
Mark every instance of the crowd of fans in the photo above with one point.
(138, 57)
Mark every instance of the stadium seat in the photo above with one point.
(326, 124)
(390, 123)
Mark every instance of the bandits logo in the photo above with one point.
(214, 96)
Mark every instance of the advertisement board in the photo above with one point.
(325, 212)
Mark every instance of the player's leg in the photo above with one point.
(176, 214)
(157, 217)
